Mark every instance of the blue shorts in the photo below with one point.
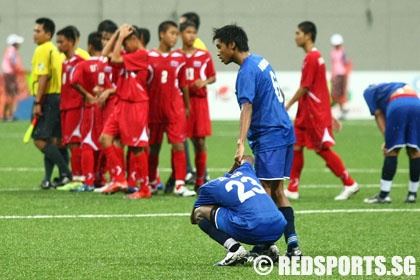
(251, 229)
(403, 123)
(274, 164)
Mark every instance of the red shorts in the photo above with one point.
(108, 108)
(314, 138)
(129, 121)
(91, 127)
(198, 124)
(70, 125)
(175, 131)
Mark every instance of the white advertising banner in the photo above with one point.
(223, 104)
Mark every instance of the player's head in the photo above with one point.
(188, 32)
(144, 34)
(308, 28)
(44, 30)
(190, 16)
(66, 39)
(94, 43)
(168, 33)
(107, 28)
(132, 40)
(230, 39)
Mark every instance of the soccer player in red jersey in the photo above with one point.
(169, 106)
(88, 76)
(130, 118)
(71, 102)
(313, 123)
(199, 73)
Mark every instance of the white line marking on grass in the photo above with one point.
(155, 215)
(167, 169)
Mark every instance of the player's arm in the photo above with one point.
(380, 120)
(299, 94)
(186, 98)
(192, 217)
(88, 97)
(200, 83)
(42, 88)
(116, 56)
(245, 123)
(110, 46)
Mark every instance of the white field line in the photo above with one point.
(167, 169)
(156, 215)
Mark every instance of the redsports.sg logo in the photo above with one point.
(332, 265)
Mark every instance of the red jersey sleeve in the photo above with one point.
(308, 71)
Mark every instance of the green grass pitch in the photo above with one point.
(63, 235)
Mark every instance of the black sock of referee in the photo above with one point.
(290, 235)
(49, 167)
(52, 153)
(64, 151)
(219, 236)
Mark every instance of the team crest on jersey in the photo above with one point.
(174, 63)
(108, 69)
(40, 67)
(197, 63)
(68, 68)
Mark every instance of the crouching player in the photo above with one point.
(235, 208)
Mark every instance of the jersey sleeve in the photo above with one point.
(206, 197)
(308, 71)
(135, 61)
(182, 76)
(41, 62)
(245, 86)
(369, 95)
(210, 70)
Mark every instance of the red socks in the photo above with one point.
(335, 164)
(297, 167)
(200, 165)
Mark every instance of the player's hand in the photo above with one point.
(37, 111)
(98, 90)
(336, 124)
(384, 149)
(103, 97)
(199, 84)
(90, 99)
(239, 152)
(126, 29)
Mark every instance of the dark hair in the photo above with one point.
(95, 40)
(192, 16)
(47, 24)
(164, 26)
(76, 31)
(68, 33)
(108, 26)
(308, 27)
(186, 24)
(134, 32)
(145, 33)
(232, 34)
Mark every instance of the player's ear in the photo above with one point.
(231, 45)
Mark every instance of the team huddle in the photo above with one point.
(120, 94)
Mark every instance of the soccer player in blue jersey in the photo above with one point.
(396, 107)
(263, 121)
(235, 208)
